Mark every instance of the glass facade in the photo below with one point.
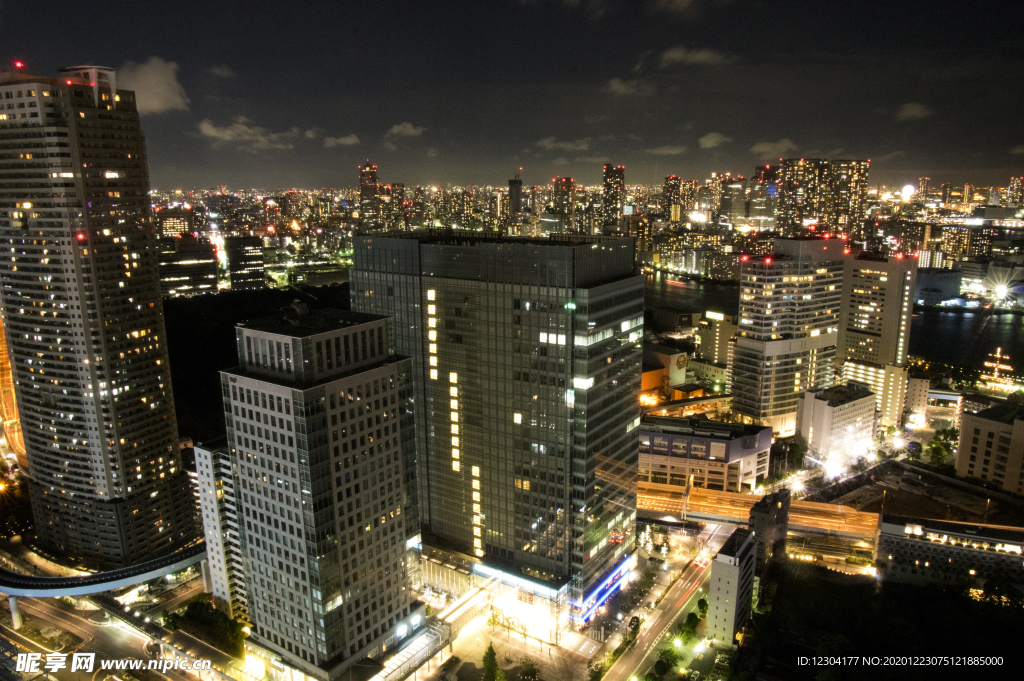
(526, 356)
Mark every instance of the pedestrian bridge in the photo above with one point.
(16, 584)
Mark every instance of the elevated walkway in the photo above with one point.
(16, 584)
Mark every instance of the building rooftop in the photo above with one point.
(734, 543)
(982, 531)
(462, 237)
(298, 321)
(1007, 412)
(838, 395)
(701, 426)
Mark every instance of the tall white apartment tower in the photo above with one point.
(318, 415)
(874, 329)
(80, 289)
(788, 328)
(223, 569)
(731, 589)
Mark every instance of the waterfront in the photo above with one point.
(937, 335)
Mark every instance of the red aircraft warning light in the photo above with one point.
(81, 236)
(744, 257)
(767, 261)
(19, 64)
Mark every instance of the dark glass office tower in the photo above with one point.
(527, 359)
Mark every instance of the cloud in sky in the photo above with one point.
(222, 71)
(913, 111)
(347, 141)
(667, 151)
(681, 55)
(406, 129)
(773, 150)
(713, 139)
(244, 136)
(552, 143)
(625, 88)
(156, 85)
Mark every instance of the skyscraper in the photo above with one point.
(670, 196)
(188, 266)
(369, 193)
(1016, 191)
(874, 329)
(923, 187)
(80, 289)
(316, 414)
(563, 200)
(527, 355)
(515, 196)
(800, 193)
(788, 328)
(845, 195)
(224, 568)
(613, 194)
(245, 262)
(762, 201)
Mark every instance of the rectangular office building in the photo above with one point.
(527, 357)
(317, 413)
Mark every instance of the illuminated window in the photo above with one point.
(453, 377)
(430, 294)
(526, 485)
(454, 404)
(453, 391)
(455, 416)
(432, 335)
(455, 465)
(477, 543)
(476, 508)
(476, 484)
(476, 470)
(479, 553)
(433, 361)
(431, 322)
(476, 532)
(455, 453)
(519, 483)
(455, 442)
(431, 309)
(455, 428)
(476, 496)
(433, 374)
(433, 348)
(517, 418)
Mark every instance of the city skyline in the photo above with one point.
(663, 88)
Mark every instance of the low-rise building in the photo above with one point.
(888, 383)
(916, 402)
(991, 446)
(839, 420)
(731, 589)
(925, 551)
(728, 457)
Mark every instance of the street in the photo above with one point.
(678, 602)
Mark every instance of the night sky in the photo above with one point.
(272, 95)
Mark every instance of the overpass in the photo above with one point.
(655, 501)
(16, 584)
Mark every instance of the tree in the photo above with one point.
(490, 663)
(669, 656)
(494, 620)
(1002, 591)
(692, 620)
(528, 669)
(702, 605)
(937, 452)
(499, 675)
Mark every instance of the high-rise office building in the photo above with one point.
(923, 188)
(369, 194)
(874, 328)
(527, 361)
(717, 334)
(318, 414)
(788, 328)
(1015, 192)
(845, 195)
(515, 196)
(732, 209)
(670, 196)
(188, 266)
(613, 194)
(687, 196)
(563, 200)
(80, 290)
(224, 567)
(245, 262)
(947, 193)
(762, 201)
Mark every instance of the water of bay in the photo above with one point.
(938, 336)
